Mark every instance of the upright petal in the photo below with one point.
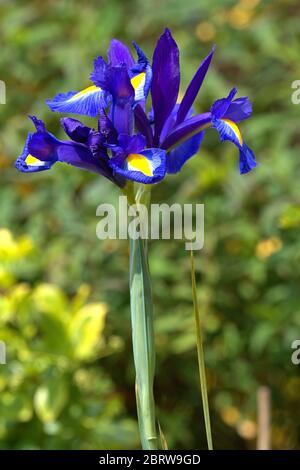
(193, 88)
(165, 81)
(106, 128)
(119, 54)
(147, 166)
(87, 102)
(179, 156)
(143, 125)
(99, 73)
(114, 80)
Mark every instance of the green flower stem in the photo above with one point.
(201, 359)
(142, 330)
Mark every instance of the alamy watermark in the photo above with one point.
(2, 92)
(2, 352)
(159, 221)
(295, 358)
(295, 97)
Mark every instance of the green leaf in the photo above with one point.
(201, 360)
(86, 329)
(50, 399)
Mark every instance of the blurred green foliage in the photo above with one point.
(68, 381)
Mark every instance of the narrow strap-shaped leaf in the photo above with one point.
(201, 361)
(143, 341)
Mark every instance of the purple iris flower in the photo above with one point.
(130, 142)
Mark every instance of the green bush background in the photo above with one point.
(64, 304)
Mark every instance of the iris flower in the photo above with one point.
(131, 141)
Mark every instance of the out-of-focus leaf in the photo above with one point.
(86, 328)
(50, 399)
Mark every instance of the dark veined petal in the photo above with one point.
(38, 123)
(193, 88)
(132, 143)
(75, 129)
(143, 124)
(220, 107)
(228, 130)
(87, 102)
(239, 109)
(99, 73)
(119, 54)
(44, 146)
(29, 164)
(116, 81)
(186, 129)
(147, 166)
(165, 80)
(142, 62)
(122, 117)
(106, 128)
(177, 157)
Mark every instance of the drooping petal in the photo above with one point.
(147, 166)
(44, 146)
(239, 109)
(165, 81)
(247, 160)
(193, 88)
(75, 129)
(228, 130)
(27, 163)
(177, 157)
(119, 54)
(186, 129)
(87, 102)
(220, 107)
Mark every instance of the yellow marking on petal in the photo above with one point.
(31, 160)
(137, 80)
(235, 129)
(140, 163)
(86, 90)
